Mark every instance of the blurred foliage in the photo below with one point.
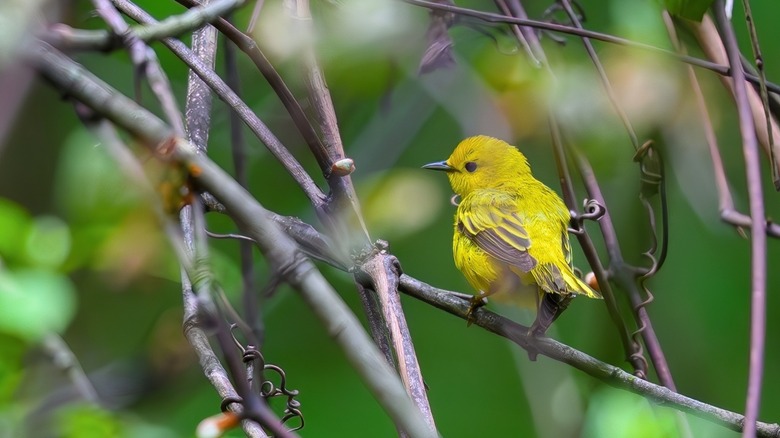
(82, 255)
(690, 9)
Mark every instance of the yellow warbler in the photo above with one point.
(510, 230)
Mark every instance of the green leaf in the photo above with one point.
(615, 413)
(690, 9)
(15, 223)
(11, 370)
(87, 421)
(48, 242)
(34, 302)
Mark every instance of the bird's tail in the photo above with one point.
(550, 308)
(577, 286)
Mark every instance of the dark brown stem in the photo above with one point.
(613, 376)
(625, 275)
(602, 74)
(224, 92)
(757, 226)
(633, 353)
(762, 86)
(145, 63)
(254, 221)
(499, 18)
(238, 149)
(381, 271)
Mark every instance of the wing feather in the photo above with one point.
(498, 230)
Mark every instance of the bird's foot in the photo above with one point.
(476, 302)
(531, 338)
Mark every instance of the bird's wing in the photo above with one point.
(566, 246)
(498, 230)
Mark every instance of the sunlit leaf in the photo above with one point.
(34, 302)
(86, 421)
(614, 413)
(14, 225)
(11, 370)
(48, 242)
(690, 9)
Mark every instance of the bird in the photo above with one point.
(511, 231)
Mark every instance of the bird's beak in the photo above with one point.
(439, 165)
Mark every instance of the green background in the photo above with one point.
(83, 255)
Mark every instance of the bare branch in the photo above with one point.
(212, 368)
(762, 87)
(224, 92)
(67, 38)
(603, 75)
(757, 229)
(383, 271)
(255, 221)
(713, 45)
(498, 18)
(238, 149)
(613, 376)
(64, 359)
(457, 304)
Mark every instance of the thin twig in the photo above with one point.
(63, 358)
(499, 18)
(344, 201)
(624, 275)
(198, 110)
(238, 149)
(212, 367)
(613, 376)
(519, 34)
(633, 351)
(67, 38)
(757, 228)
(224, 92)
(762, 87)
(712, 44)
(246, 44)
(454, 303)
(145, 62)
(573, 16)
(255, 221)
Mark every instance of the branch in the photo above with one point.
(227, 95)
(613, 376)
(67, 38)
(453, 303)
(713, 45)
(66, 361)
(728, 213)
(238, 148)
(195, 335)
(757, 229)
(490, 17)
(381, 269)
(280, 250)
(632, 349)
(602, 75)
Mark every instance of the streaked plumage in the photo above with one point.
(510, 229)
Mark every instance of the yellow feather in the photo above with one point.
(511, 234)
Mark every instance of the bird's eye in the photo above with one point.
(471, 166)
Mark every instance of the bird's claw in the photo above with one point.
(475, 303)
(530, 339)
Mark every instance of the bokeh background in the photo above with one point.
(82, 256)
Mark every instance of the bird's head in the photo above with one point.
(483, 162)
